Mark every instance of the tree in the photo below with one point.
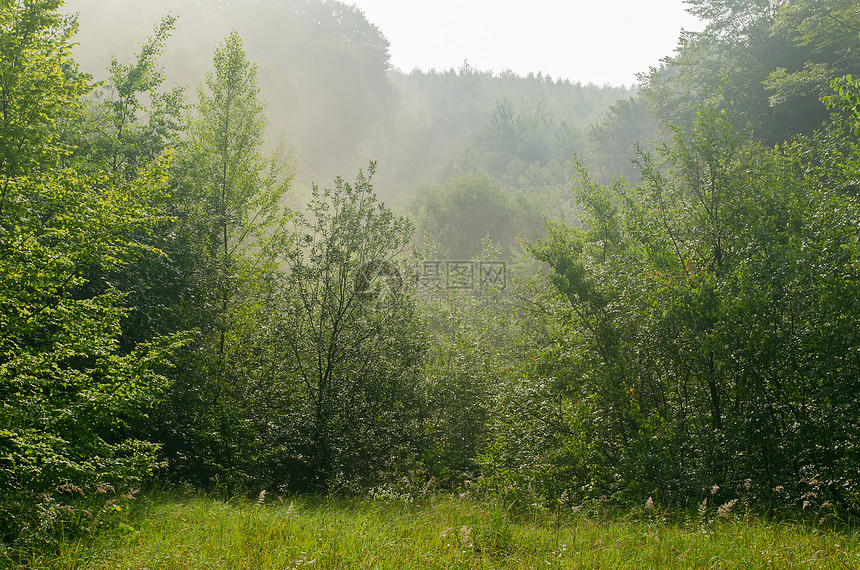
(236, 190)
(628, 126)
(504, 134)
(132, 121)
(228, 197)
(471, 207)
(350, 336)
(766, 62)
(67, 394)
(40, 85)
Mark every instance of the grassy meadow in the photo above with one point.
(174, 532)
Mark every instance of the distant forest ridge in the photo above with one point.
(333, 99)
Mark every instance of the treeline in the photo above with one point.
(692, 336)
(334, 102)
(333, 97)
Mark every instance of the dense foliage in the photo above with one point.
(707, 329)
(704, 324)
(688, 332)
(69, 394)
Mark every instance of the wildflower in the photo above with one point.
(715, 489)
(703, 508)
(649, 504)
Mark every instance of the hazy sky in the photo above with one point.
(592, 41)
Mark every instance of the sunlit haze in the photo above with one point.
(604, 41)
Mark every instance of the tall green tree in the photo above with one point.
(229, 196)
(350, 335)
(132, 120)
(67, 394)
(234, 189)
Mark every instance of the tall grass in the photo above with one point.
(442, 532)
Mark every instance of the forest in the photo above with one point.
(242, 253)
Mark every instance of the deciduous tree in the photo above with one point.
(67, 394)
(350, 335)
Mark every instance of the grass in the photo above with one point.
(172, 532)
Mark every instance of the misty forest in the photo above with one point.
(240, 252)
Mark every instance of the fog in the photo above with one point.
(334, 102)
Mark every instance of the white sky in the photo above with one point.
(592, 41)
